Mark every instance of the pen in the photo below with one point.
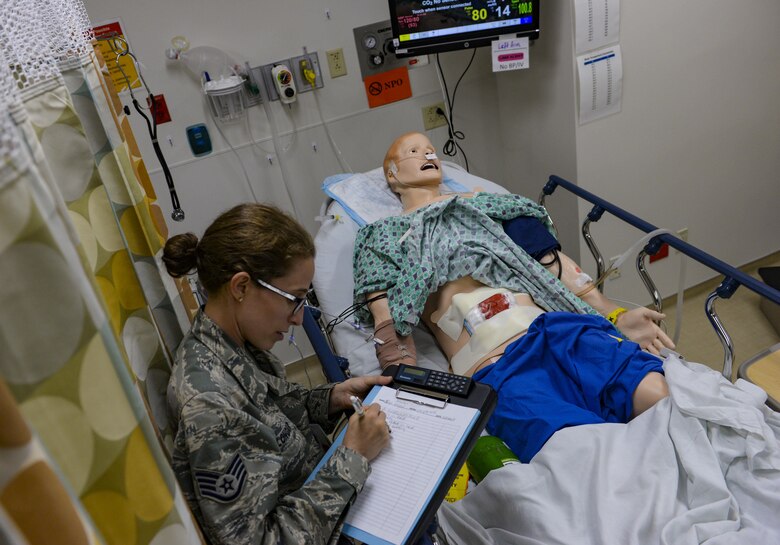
(358, 406)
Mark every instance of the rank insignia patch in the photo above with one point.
(222, 487)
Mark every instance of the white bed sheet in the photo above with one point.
(702, 466)
(334, 279)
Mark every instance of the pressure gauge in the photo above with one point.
(369, 41)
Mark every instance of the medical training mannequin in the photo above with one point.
(244, 442)
(417, 181)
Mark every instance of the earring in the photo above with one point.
(240, 299)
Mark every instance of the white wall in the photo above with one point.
(696, 143)
(538, 121)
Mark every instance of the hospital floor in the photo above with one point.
(750, 330)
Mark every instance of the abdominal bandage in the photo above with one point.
(490, 316)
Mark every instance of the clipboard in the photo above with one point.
(478, 405)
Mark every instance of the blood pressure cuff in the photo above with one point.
(531, 235)
(393, 348)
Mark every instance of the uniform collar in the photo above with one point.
(250, 366)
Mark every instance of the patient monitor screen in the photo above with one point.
(442, 23)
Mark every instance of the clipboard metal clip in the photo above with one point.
(422, 397)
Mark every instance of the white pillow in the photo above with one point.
(366, 197)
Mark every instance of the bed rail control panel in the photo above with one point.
(433, 380)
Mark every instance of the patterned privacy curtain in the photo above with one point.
(87, 321)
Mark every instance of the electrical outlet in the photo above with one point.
(336, 63)
(432, 119)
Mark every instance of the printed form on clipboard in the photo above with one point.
(426, 436)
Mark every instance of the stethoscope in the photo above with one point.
(119, 44)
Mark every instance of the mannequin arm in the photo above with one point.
(637, 324)
(390, 347)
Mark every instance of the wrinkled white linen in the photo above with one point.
(702, 466)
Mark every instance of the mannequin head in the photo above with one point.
(406, 164)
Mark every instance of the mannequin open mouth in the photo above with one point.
(428, 166)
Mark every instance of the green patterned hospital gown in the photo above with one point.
(411, 256)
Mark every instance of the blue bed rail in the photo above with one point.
(334, 367)
(733, 278)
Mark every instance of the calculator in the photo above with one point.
(433, 380)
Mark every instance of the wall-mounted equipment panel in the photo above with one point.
(305, 70)
(375, 50)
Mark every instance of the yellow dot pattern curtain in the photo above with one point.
(87, 321)
(66, 377)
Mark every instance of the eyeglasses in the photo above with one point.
(299, 302)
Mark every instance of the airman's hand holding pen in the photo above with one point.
(358, 406)
(367, 431)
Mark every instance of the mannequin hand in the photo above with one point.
(368, 434)
(639, 326)
(358, 386)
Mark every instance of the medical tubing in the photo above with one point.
(291, 341)
(252, 137)
(681, 277)
(639, 243)
(293, 133)
(277, 144)
(621, 258)
(240, 162)
(678, 309)
(342, 161)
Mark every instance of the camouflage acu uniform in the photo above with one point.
(244, 445)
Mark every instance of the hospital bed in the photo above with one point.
(357, 199)
(711, 470)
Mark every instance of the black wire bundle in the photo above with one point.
(349, 311)
(555, 259)
(451, 146)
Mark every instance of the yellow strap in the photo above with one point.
(613, 316)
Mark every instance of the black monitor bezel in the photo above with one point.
(465, 40)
